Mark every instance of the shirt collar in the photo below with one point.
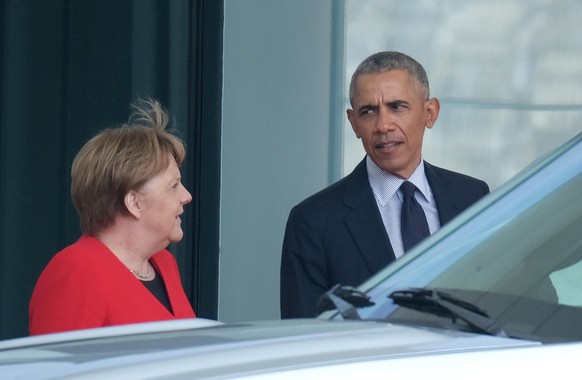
(384, 185)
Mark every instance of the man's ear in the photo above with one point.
(351, 116)
(433, 107)
(133, 204)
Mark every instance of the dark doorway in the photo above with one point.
(71, 68)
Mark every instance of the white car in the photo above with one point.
(496, 294)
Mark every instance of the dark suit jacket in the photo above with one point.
(337, 235)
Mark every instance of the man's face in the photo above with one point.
(390, 114)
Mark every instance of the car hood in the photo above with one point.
(226, 349)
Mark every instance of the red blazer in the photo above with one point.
(85, 285)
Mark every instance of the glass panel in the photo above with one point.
(518, 258)
(508, 75)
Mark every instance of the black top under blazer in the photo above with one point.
(337, 236)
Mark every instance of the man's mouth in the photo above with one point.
(387, 145)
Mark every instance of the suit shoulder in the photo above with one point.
(333, 196)
(86, 250)
(454, 179)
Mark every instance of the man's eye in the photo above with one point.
(397, 106)
(366, 112)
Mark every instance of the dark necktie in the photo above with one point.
(413, 223)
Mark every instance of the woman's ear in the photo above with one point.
(133, 204)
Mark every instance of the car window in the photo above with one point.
(518, 257)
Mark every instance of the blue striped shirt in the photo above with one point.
(385, 187)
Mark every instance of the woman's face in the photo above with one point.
(162, 200)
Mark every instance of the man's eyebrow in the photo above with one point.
(396, 102)
(367, 107)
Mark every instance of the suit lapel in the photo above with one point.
(445, 204)
(364, 221)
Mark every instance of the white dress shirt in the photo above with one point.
(385, 187)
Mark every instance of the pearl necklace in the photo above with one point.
(147, 275)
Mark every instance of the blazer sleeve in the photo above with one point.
(66, 297)
(303, 269)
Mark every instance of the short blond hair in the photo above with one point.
(118, 160)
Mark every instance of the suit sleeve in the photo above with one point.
(303, 269)
(66, 297)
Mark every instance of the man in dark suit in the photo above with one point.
(352, 229)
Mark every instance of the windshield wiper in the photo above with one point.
(442, 304)
(345, 299)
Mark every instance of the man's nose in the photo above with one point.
(384, 122)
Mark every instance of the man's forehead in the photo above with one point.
(385, 87)
(396, 76)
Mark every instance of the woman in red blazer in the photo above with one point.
(127, 191)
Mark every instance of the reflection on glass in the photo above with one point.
(518, 258)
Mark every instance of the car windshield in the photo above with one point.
(516, 256)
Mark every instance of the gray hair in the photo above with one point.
(389, 61)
